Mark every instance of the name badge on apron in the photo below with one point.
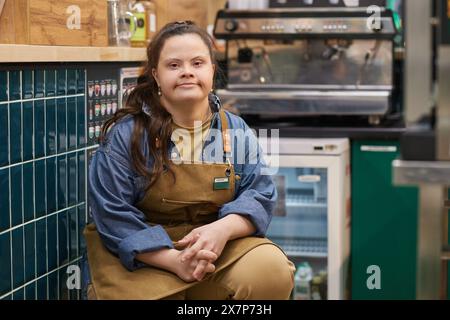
(221, 183)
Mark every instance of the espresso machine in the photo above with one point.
(308, 61)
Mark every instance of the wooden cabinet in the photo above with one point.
(202, 12)
(55, 22)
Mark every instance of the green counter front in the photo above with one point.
(384, 225)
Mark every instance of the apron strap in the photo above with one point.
(225, 135)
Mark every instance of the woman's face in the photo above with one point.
(185, 71)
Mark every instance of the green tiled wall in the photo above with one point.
(42, 180)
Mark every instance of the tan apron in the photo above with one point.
(179, 207)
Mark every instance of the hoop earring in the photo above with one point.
(159, 91)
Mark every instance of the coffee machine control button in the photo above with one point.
(303, 28)
(231, 25)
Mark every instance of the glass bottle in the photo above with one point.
(145, 12)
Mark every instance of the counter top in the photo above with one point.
(13, 53)
(391, 130)
(421, 172)
(351, 133)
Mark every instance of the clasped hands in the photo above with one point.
(201, 248)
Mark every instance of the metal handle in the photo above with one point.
(379, 148)
(445, 253)
(309, 178)
(293, 94)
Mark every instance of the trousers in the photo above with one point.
(263, 273)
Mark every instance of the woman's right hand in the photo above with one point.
(197, 267)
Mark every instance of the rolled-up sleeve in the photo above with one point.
(256, 196)
(112, 192)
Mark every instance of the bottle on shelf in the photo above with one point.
(324, 284)
(145, 13)
(302, 279)
(316, 288)
(122, 24)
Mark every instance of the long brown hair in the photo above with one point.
(158, 125)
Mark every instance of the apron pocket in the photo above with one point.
(181, 202)
(194, 211)
(201, 207)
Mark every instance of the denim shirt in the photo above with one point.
(115, 188)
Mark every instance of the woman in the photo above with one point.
(172, 220)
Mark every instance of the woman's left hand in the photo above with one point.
(214, 237)
(210, 237)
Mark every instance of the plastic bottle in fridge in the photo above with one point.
(302, 279)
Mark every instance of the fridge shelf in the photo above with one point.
(305, 205)
(308, 248)
(302, 200)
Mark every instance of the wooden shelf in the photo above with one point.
(31, 53)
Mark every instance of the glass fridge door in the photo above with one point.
(299, 223)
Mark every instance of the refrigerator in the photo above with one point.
(311, 220)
